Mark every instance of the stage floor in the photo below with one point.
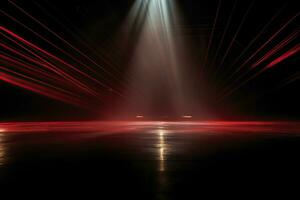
(149, 160)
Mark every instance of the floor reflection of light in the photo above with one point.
(2, 150)
(162, 148)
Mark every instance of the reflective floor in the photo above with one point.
(149, 160)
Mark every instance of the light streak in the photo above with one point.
(49, 65)
(54, 85)
(79, 83)
(212, 34)
(59, 37)
(277, 48)
(60, 49)
(236, 34)
(269, 40)
(284, 56)
(229, 90)
(223, 36)
(270, 53)
(252, 42)
(287, 54)
(40, 89)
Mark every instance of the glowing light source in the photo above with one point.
(139, 116)
(2, 130)
(187, 116)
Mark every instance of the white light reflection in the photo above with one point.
(162, 149)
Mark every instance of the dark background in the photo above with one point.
(99, 24)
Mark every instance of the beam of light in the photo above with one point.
(76, 33)
(235, 35)
(157, 65)
(284, 56)
(289, 80)
(58, 82)
(31, 86)
(58, 48)
(223, 36)
(270, 53)
(252, 42)
(268, 41)
(50, 66)
(78, 82)
(212, 34)
(59, 37)
(277, 48)
(32, 70)
(229, 90)
(40, 81)
(25, 79)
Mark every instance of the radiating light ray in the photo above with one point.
(45, 88)
(42, 83)
(29, 85)
(287, 54)
(235, 35)
(54, 57)
(290, 80)
(59, 37)
(271, 52)
(80, 84)
(223, 37)
(60, 49)
(34, 72)
(41, 63)
(211, 35)
(268, 41)
(52, 67)
(78, 36)
(284, 56)
(252, 42)
(276, 48)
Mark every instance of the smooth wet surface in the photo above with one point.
(156, 161)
